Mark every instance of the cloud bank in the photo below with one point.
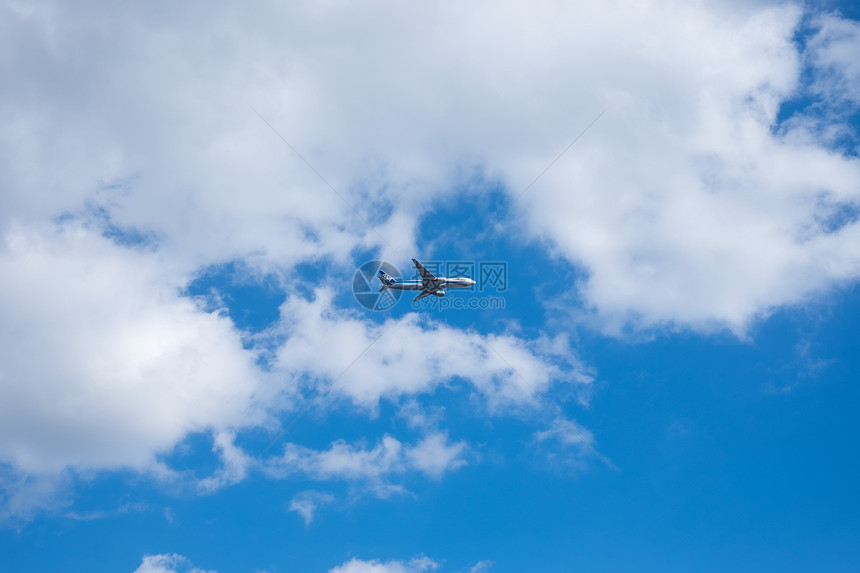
(131, 157)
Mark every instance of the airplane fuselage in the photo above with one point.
(439, 283)
(428, 285)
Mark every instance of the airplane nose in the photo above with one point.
(471, 282)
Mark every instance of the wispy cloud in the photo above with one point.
(375, 467)
(415, 565)
(123, 509)
(234, 464)
(307, 503)
(431, 351)
(485, 565)
(168, 563)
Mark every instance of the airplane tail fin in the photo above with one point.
(387, 280)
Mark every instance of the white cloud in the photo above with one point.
(431, 352)
(168, 563)
(123, 509)
(375, 467)
(102, 363)
(833, 53)
(417, 416)
(106, 366)
(24, 496)
(234, 463)
(567, 433)
(569, 444)
(415, 565)
(484, 565)
(306, 503)
(345, 461)
(433, 456)
(682, 204)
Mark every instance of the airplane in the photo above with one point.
(428, 284)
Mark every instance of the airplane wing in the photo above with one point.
(425, 274)
(423, 294)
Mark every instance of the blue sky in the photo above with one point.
(188, 384)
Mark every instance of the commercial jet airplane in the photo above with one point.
(428, 284)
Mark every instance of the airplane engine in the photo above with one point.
(439, 293)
